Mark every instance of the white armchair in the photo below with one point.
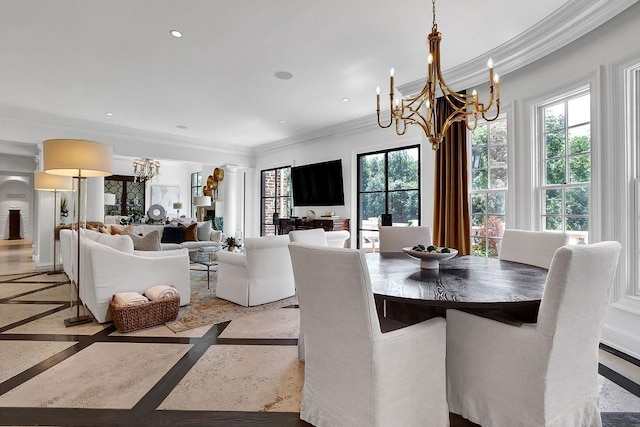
(542, 374)
(263, 274)
(354, 374)
(393, 239)
(531, 247)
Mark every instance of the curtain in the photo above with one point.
(451, 222)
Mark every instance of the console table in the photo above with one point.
(285, 225)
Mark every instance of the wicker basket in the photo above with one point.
(129, 318)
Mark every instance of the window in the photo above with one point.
(488, 186)
(275, 198)
(565, 138)
(388, 183)
(196, 190)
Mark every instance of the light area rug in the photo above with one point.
(207, 309)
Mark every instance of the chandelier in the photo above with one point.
(144, 169)
(421, 109)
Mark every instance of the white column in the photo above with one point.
(95, 199)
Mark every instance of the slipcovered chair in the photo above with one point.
(393, 239)
(531, 247)
(263, 274)
(354, 374)
(543, 374)
(320, 237)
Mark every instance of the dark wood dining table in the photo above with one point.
(485, 286)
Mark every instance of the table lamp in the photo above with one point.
(177, 206)
(46, 182)
(109, 200)
(80, 159)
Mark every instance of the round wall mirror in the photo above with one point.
(156, 212)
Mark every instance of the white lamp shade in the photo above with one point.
(202, 200)
(109, 199)
(177, 205)
(77, 157)
(46, 181)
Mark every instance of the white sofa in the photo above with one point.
(207, 237)
(109, 265)
(264, 274)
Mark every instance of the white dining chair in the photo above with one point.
(542, 374)
(531, 247)
(393, 239)
(356, 375)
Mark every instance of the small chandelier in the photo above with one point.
(421, 109)
(144, 169)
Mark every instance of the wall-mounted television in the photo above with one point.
(318, 184)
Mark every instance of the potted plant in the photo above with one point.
(231, 243)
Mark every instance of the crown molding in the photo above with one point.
(340, 128)
(572, 21)
(51, 124)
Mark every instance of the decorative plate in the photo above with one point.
(218, 174)
(210, 180)
(429, 260)
(157, 212)
(206, 190)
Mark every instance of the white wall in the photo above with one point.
(346, 146)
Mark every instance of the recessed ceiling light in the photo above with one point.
(281, 121)
(283, 75)
(182, 127)
(109, 114)
(175, 33)
(236, 137)
(345, 99)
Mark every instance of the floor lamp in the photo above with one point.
(80, 159)
(47, 182)
(200, 202)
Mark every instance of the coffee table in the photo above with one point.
(208, 259)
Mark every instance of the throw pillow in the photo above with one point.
(117, 229)
(150, 242)
(119, 243)
(190, 232)
(204, 231)
(172, 235)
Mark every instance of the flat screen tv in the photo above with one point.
(318, 184)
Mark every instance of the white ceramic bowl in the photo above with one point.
(429, 260)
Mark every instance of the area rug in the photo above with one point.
(207, 309)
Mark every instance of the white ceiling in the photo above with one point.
(79, 59)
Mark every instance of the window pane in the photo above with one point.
(498, 155)
(477, 220)
(403, 205)
(579, 110)
(478, 204)
(479, 135)
(478, 247)
(580, 168)
(554, 144)
(554, 117)
(372, 173)
(496, 203)
(553, 223)
(577, 201)
(577, 224)
(479, 179)
(498, 178)
(556, 171)
(269, 183)
(580, 139)
(479, 157)
(403, 169)
(553, 202)
(498, 131)
(371, 205)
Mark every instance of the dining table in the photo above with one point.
(508, 291)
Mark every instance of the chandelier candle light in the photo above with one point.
(421, 109)
(145, 169)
